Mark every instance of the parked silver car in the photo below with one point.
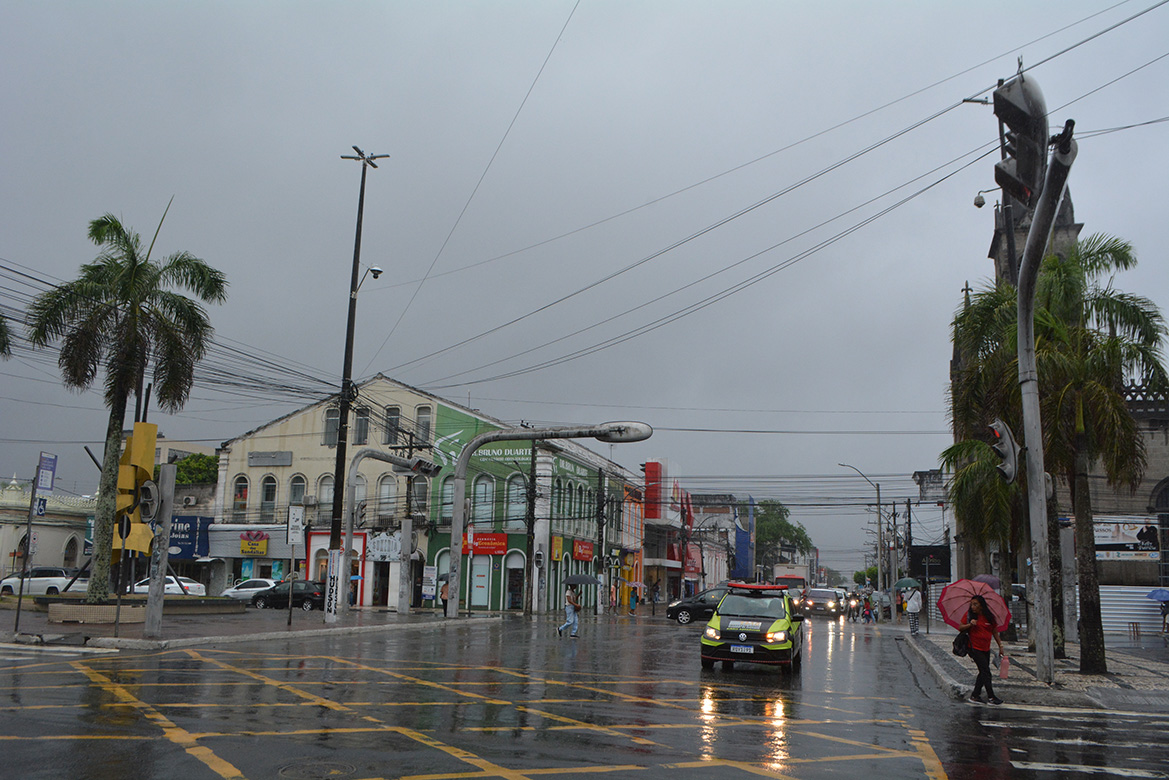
(245, 589)
(173, 588)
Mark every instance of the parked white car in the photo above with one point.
(44, 581)
(243, 591)
(173, 588)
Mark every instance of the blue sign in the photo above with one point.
(188, 537)
(46, 472)
(42, 503)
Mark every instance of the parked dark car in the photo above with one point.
(305, 594)
(700, 606)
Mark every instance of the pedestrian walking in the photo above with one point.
(571, 607)
(912, 608)
(900, 605)
(442, 594)
(1165, 617)
(980, 627)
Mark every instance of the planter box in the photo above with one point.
(95, 613)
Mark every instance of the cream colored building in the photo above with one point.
(290, 462)
(60, 533)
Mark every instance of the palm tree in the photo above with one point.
(985, 386)
(1091, 339)
(5, 339)
(121, 314)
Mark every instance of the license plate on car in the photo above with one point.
(742, 649)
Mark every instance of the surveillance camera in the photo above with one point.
(979, 201)
(375, 272)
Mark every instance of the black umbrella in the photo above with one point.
(446, 575)
(581, 579)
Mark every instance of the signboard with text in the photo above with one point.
(1126, 538)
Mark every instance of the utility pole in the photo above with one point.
(334, 595)
(908, 525)
(600, 517)
(530, 523)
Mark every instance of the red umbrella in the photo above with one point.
(954, 603)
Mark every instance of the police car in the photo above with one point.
(754, 623)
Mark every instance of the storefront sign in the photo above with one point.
(188, 537)
(1126, 538)
(253, 543)
(486, 544)
(385, 547)
(557, 547)
(582, 551)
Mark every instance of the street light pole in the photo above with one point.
(1037, 238)
(880, 536)
(333, 590)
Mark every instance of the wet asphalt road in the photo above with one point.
(510, 699)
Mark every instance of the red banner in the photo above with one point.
(487, 544)
(582, 551)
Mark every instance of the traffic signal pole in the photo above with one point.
(1041, 224)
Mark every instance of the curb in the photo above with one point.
(1018, 694)
(117, 643)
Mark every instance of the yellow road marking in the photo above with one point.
(933, 765)
(179, 736)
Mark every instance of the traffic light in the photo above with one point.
(1019, 104)
(135, 470)
(424, 468)
(1003, 443)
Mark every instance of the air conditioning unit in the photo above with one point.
(189, 500)
(310, 500)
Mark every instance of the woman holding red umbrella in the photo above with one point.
(981, 627)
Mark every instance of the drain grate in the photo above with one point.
(317, 770)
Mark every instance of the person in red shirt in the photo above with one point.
(980, 625)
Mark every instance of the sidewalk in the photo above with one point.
(1137, 678)
(188, 630)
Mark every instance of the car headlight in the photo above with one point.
(831, 605)
(776, 636)
(712, 633)
(675, 603)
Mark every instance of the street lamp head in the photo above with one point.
(623, 432)
(375, 272)
(979, 201)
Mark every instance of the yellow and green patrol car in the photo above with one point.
(756, 623)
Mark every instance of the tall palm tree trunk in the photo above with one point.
(1092, 659)
(1055, 564)
(103, 521)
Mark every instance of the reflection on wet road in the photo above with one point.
(510, 700)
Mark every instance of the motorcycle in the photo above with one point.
(853, 609)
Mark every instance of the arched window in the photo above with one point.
(483, 503)
(393, 425)
(296, 489)
(557, 498)
(268, 499)
(70, 558)
(359, 489)
(580, 502)
(387, 496)
(325, 495)
(448, 500)
(332, 423)
(239, 500)
(421, 498)
(423, 414)
(517, 503)
(361, 425)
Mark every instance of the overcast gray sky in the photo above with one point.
(540, 150)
